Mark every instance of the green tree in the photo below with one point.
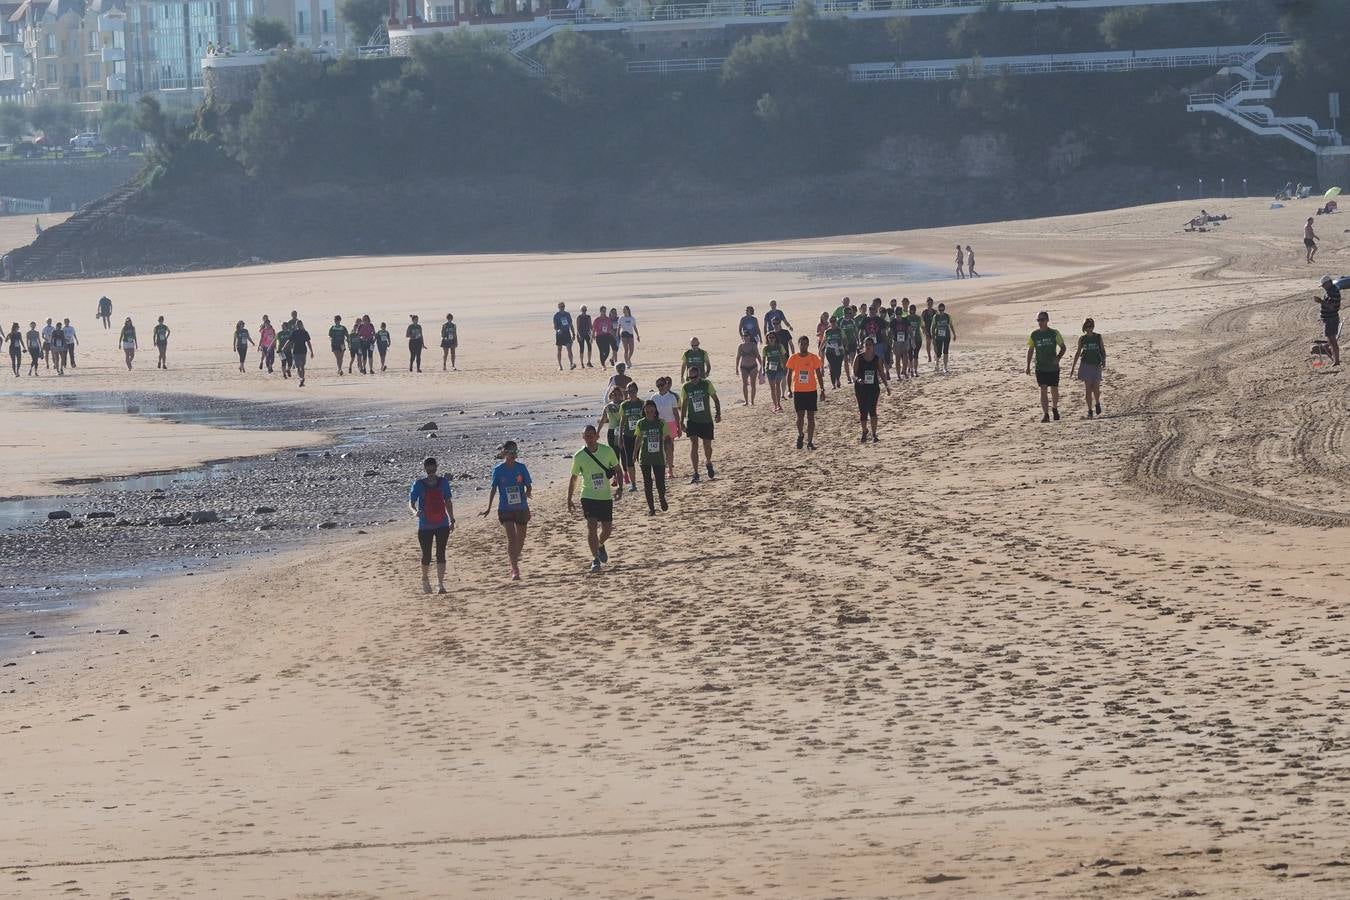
(363, 17)
(58, 122)
(1318, 28)
(265, 33)
(580, 70)
(117, 123)
(981, 32)
(13, 121)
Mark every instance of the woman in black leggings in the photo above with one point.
(869, 374)
(430, 502)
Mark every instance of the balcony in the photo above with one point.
(114, 54)
(115, 83)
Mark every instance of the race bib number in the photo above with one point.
(803, 376)
(773, 366)
(654, 443)
(699, 405)
(869, 378)
(598, 481)
(513, 497)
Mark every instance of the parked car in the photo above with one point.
(88, 140)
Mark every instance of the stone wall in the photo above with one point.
(231, 84)
(70, 183)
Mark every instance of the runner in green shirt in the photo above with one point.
(242, 340)
(775, 370)
(1090, 360)
(337, 339)
(695, 356)
(601, 487)
(1046, 346)
(698, 400)
(284, 348)
(941, 333)
(651, 433)
(160, 337)
(630, 411)
(834, 352)
(915, 337)
(354, 350)
(382, 341)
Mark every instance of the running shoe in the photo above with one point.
(695, 479)
(1099, 409)
(810, 446)
(664, 505)
(632, 487)
(603, 555)
(800, 441)
(874, 438)
(711, 473)
(595, 566)
(1056, 414)
(1045, 417)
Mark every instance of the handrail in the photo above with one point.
(1102, 61)
(675, 66)
(721, 9)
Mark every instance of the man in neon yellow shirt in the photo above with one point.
(597, 465)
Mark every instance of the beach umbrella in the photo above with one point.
(1332, 193)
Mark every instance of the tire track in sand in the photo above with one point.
(1195, 417)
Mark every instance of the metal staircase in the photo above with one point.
(1240, 103)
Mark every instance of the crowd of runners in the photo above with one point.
(288, 348)
(862, 347)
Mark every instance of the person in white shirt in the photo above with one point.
(71, 341)
(47, 343)
(628, 333)
(668, 408)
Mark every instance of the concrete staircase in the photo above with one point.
(57, 252)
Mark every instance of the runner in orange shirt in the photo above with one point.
(808, 382)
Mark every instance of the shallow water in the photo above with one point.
(834, 267)
(357, 478)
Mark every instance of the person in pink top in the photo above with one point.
(603, 326)
(267, 344)
(365, 336)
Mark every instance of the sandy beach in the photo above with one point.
(984, 658)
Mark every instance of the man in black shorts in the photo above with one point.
(1046, 346)
(699, 409)
(597, 465)
(563, 334)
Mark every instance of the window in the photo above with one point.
(52, 77)
(300, 22)
(93, 41)
(327, 23)
(51, 44)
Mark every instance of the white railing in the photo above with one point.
(675, 66)
(644, 10)
(1051, 63)
(20, 205)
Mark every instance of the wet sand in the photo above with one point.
(985, 658)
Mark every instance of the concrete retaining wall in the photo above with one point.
(70, 183)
